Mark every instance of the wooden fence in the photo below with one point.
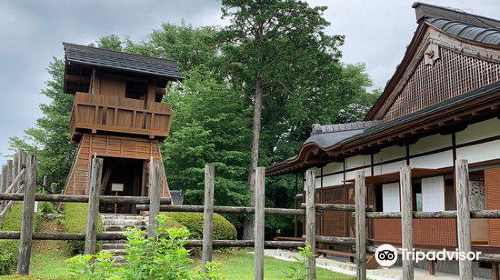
(24, 178)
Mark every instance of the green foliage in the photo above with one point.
(75, 221)
(210, 125)
(222, 228)
(298, 271)
(9, 248)
(46, 207)
(189, 46)
(162, 256)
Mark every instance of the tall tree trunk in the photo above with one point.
(248, 223)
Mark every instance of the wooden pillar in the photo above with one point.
(208, 213)
(93, 206)
(155, 194)
(25, 242)
(259, 223)
(311, 221)
(406, 219)
(495, 271)
(15, 169)
(360, 196)
(4, 184)
(463, 217)
(432, 268)
(10, 167)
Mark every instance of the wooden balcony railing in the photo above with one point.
(93, 112)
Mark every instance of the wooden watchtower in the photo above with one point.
(118, 116)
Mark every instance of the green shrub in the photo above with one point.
(223, 229)
(46, 207)
(162, 256)
(75, 221)
(9, 248)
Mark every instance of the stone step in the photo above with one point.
(107, 246)
(115, 252)
(122, 216)
(115, 228)
(125, 222)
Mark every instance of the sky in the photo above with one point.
(32, 31)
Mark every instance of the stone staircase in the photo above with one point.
(114, 223)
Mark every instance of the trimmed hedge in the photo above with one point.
(75, 221)
(9, 248)
(223, 229)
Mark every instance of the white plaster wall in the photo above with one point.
(433, 194)
(352, 174)
(389, 153)
(430, 143)
(357, 161)
(333, 167)
(481, 152)
(479, 131)
(333, 180)
(388, 168)
(439, 160)
(390, 197)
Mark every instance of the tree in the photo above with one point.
(210, 125)
(268, 44)
(189, 46)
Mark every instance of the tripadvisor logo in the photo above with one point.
(387, 255)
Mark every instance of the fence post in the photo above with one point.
(360, 196)
(208, 213)
(310, 186)
(25, 242)
(4, 184)
(93, 206)
(406, 219)
(10, 170)
(259, 227)
(16, 168)
(155, 194)
(463, 217)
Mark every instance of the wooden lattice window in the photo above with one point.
(450, 76)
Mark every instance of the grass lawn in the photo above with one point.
(240, 266)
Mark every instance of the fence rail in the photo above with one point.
(14, 180)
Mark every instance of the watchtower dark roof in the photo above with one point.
(122, 61)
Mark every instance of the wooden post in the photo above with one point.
(463, 217)
(310, 186)
(360, 196)
(406, 219)
(4, 185)
(208, 213)
(16, 168)
(259, 225)
(432, 268)
(93, 206)
(25, 242)
(495, 271)
(155, 194)
(10, 168)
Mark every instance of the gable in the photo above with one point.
(451, 75)
(439, 68)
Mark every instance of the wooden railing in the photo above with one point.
(92, 112)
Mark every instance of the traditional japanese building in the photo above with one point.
(118, 116)
(441, 104)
